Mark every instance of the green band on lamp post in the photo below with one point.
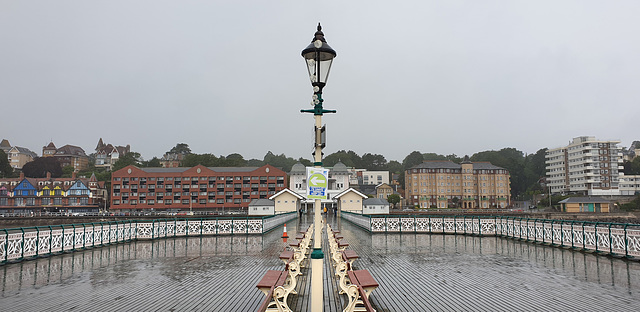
(317, 253)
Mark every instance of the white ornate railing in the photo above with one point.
(23, 243)
(608, 238)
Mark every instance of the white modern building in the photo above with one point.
(629, 185)
(375, 177)
(587, 166)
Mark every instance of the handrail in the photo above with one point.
(96, 234)
(623, 238)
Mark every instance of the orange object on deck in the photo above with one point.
(284, 234)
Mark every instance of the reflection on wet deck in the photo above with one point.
(416, 272)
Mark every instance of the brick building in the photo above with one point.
(445, 184)
(197, 188)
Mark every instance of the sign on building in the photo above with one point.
(317, 182)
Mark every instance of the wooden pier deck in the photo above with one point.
(416, 272)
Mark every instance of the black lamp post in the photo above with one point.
(319, 56)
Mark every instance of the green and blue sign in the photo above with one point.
(317, 182)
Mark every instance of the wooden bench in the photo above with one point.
(349, 256)
(277, 285)
(286, 256)
(362, 284)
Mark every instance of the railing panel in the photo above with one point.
(407, 224)
(56, 241)
(14, 246)
(449, 225)
(44, 242)
(633, 242)
(225, 226)
(144, 230)
(239, 226)
(30, 240)
(209, 227)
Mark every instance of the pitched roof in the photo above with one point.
(375, 201)
(71, 150)
(440, 164)
(183, 169)
(262, 202)
(437, 164)
(26, 151)
(588, 199)
(350, 190)
(298, 196)
(100, 144)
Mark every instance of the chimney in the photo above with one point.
(73, 175)
(48, 175)
(21, 175)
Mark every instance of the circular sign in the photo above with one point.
(318, 180)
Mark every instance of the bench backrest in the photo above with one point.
(265, 303)
(365, 300)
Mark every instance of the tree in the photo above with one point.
(207, 160)
(413, 159)
(154, 162)
(255, 163)
(632, 167)
(374, 162)
(131, 158)
(279, 161)
(39, 167)
(456, 201)
(67, 171)
(235, 160)
(5, 168)
(305, 162)
(510, 159)
(393, 199)
(180, 148)
(394, 166)
(349, 159)
(434, 156)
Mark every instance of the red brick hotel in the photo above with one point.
(197, 188)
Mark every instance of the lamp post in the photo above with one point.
(319, 56)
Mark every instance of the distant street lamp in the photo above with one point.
(319, 56)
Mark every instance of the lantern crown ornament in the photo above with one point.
(319, 56)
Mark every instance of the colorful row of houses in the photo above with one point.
(33, 195)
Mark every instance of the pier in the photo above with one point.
(416, 272)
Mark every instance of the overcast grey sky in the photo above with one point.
(227, 76)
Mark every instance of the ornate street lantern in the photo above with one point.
(319, 56)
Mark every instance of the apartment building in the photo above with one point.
(468, 185)
(68, 155)
(586, 166)
(195, 188)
